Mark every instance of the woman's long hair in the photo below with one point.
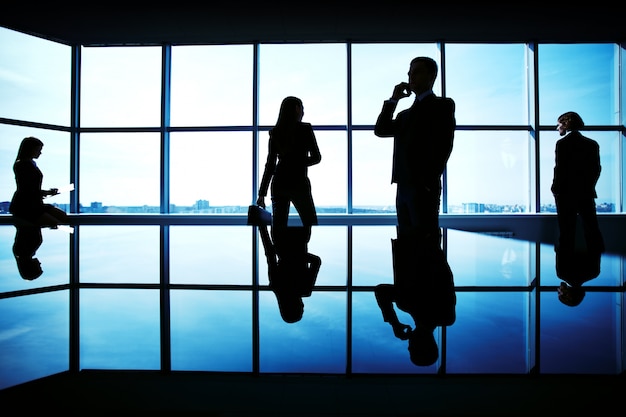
(27, 147)
(286, 123)
(287, 115)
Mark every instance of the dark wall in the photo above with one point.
(181, 23)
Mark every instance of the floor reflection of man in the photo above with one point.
(424, 288)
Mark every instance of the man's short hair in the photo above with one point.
(575, 121)
(430, 64)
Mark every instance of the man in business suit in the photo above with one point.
(576, 172)
(423, 137)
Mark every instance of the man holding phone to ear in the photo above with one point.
(423, 137)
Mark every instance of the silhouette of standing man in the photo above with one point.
(423, 137)
(576, 172)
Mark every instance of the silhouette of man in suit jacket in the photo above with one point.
(423, 138)
(576, 172)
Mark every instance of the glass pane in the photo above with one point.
(211, 172)
(584, 339)
(119, 329)
(372, 260)
(121, 86)
(34, 337)
(375, 349)
(199, 319)
(211, 85)
(119, 254)
(315, 73)
(608, 186)
(376, 69)
(211, 255)
(481, 260)
(489, 172)
(315, 344)
(120, 173)
(372, 158)
(489, 335)
(488, 83)
(35, 79)
(54, 162)
(581, 78)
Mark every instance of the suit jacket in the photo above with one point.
(27, 201)
(290, 153)
(577, 166)
(423, 138)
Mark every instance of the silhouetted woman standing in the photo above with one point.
(27, 202)
(292, 150)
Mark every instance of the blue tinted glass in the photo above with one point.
(211, 255)
(372, 262)
(34, 337)
(490, 333)
(211, 330)
(490, 172)
(119, 329)
(488, 83)
(133, 186)
(35, 79)
(584, 339)
(482, 260)
(581, 78)
(119, 254)
(120, 86)
(314, 344)
(211, 85)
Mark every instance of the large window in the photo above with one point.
(207, 134)
(166, 151)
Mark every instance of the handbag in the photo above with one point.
(258, 216)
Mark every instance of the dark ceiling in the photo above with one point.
(181, 23)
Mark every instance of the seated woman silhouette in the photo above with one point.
(27, 203)
(292, 150)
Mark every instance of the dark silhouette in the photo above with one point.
(292, 270)
(27, 202)
(576, 172)
(424, 288)
(28, 239)
(423, 138)
(575, 268)
(292, 150)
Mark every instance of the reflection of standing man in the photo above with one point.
(576, 172)
(423, 286)
(423, 137)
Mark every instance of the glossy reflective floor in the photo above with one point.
(199, 298)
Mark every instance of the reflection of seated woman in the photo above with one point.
(27, 202)
(27, 240)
